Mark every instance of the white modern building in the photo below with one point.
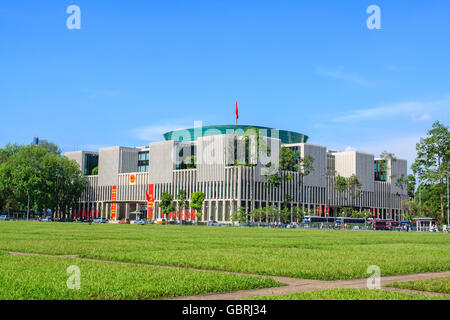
(230, 165)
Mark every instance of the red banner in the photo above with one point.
(151, 199)
(114, 204)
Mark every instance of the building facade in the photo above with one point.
(230, 164)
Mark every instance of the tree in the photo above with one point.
(37, 178)
(411, 186)
(354, 187)
(95, 171)
(341, 185)
(298, 213)
(271, 213)
(285, 215)
(432, 164)
(8, 151)
(346, 212)
(27, 182)
(285, 212)
(183, 203)
(410, 209)
(290, 161)
(197, 199)
(166, 203)
(349, 185)
(430, 200)
(240, 215)
(50, 147)
(363, 214)
(257, 214)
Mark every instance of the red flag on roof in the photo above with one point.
(236, 113)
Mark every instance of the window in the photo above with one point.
(90, 163)
(143, 156)
(186, 157)
(380, 170)
(143, 161)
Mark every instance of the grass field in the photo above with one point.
(44, 278)
(351, 294)
(441, 285)
(309, 254)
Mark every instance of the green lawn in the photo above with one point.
(311, 254)
(44, 278)
(350, 294)
(441, 285)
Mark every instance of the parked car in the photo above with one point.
(161, 221)
(213, 224)
(4, 218)
(100, 220)
(47, 219)
(140, 221)
(124, 221)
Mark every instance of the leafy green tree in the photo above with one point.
(271, 213)
(298, 213)
(166, 203)
(64, 183)
(257, 214)
(50, 147)
(95, 171)
(27, 179)
(410, 209)
(366, 214)
(240, 215)
(183, 203)
(197, 199)
(354, 187)
(8, 151)
(351, 186)
(285, 215)
(290, 161)
(341, 185)
(363, 214)
(411, 186)
(432, 164)
(347, 212)
(430, 200)
(38, 178)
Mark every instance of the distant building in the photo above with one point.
(228, 166)
(37, 141)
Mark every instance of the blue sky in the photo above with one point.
(139, 68)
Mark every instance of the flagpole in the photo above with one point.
(236, 114)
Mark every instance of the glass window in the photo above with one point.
(143, 161)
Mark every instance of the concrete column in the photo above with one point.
(224, 210)
(210, 213)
